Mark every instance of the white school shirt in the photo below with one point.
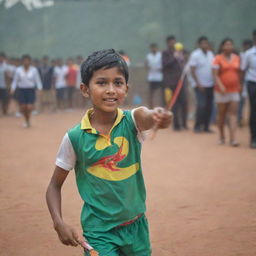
(60, 75)
(3, 70)
(26, 79)
(249, 64)
(203, 66)
(154, 62)
(12, 69)
(244, 92)
(66, 156)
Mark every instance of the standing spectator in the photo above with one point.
(201, 71)
(173, 63)
(79, 99)
(4, 95)
(26, 79)
(247, 44)
(249, 66)
(37, 63)
(189, 88)
(13, 64)
(155, 76)
(71, 82)
(226, 70)
(60, 74)
(48, 93)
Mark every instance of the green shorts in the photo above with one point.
(129, 240)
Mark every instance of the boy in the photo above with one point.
(105, 150)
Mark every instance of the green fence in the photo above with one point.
(72, 27)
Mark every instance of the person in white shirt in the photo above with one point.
(155, 76)
(249, 68)
(247, 44)
(60, 74)
(13, 64)
(201, 71)
(4, 74)
(26, 79)
(79, 99)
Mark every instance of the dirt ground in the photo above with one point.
(200, 196)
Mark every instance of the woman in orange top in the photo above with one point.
(226, 71)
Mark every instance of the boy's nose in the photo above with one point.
(111, 88)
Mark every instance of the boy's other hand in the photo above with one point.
(67, 234)
(162, 117)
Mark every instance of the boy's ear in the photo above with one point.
(84, 89)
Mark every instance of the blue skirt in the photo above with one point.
(27, 95)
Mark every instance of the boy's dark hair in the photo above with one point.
(105, 59)
(202, 38)
(169, 38)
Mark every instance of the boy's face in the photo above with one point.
(107, 89)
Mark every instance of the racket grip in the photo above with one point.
(90, 249)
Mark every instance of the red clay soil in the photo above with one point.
(201, 196)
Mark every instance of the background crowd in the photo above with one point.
(220, 80)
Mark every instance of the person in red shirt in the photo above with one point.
(71, 81)
(226, 70)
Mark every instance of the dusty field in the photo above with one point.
(201, 196)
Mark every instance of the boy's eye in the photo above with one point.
(101, 82)
(119, 83)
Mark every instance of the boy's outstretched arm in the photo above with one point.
(148, 118)
(67, 234)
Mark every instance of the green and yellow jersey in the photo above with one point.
(108, 172)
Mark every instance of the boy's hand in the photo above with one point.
(68, 235)
(162, 117)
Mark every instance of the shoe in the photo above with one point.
(234, 144)
(253, 145)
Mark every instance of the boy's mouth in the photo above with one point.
(110, 99)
